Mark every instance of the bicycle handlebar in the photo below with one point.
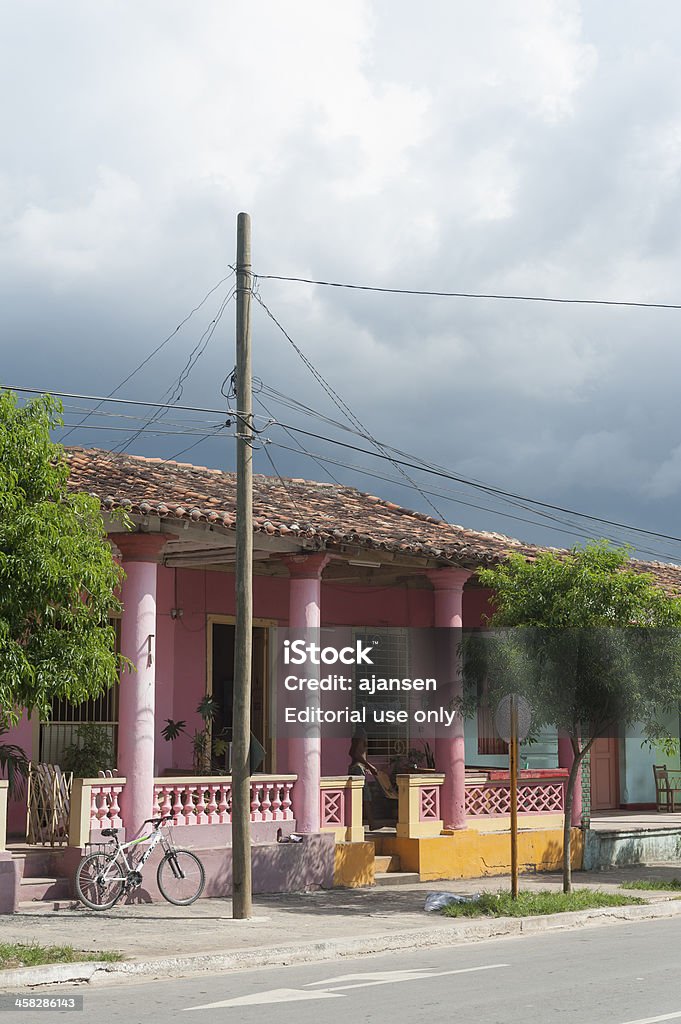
(158, 821)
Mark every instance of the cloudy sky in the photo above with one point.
(526, 147)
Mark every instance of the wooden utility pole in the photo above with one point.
(513, 772)
(243, 633)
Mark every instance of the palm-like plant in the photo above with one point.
(13, 764)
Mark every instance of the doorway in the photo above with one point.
(605, 774)
(221, 681)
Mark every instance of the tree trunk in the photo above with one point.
(567, 823)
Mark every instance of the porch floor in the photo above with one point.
(635, 821)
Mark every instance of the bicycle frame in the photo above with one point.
(120, 857)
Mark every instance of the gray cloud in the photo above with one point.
(531, 148)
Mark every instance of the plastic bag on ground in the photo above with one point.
(438, 900)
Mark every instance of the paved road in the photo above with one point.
(612, 975)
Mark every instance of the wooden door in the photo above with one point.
(604, 774)
(259, 694)
(221, 662)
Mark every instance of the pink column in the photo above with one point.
(450, 752)
(304, 752)
(137, 724)
(566, 759)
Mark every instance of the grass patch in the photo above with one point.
(500, 904)
(19, 954)
(666, 885)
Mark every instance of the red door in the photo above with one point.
(604, 774)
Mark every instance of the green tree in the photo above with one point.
(594, 646)
(58, 577)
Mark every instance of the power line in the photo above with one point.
(295, 405)
(151, 433)
(106, 398)
(491, 490)
(386, 449)
(174, 391)
(283, 482)
(468, 295)
(449, 496)
(155, 351)
(299, 444)
(132, 418)
(423, 467)
(340, 404)
(205, 437)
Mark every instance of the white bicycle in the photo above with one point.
(103, 877)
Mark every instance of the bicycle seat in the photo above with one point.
(109, 831)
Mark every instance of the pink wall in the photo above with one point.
(165, 665)
(182, 642)
(476, 606)
(375, 606)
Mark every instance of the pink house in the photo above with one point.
(324, 555)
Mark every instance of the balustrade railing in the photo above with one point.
(95, 804)
(419, 806)
(208, 800)
(543, 795)
(340, 807)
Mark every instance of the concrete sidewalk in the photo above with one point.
(143, 932)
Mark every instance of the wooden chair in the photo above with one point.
(667, 788)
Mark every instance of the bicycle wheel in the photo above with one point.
(92, 888)
(181, 877)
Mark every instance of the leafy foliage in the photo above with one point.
(202, 748)
(656, 884)
(13, 764)
(58, 577)
(591, 643)
(529, 904)
(22, 954)
(91, 753)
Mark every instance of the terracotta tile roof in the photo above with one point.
(324, 515)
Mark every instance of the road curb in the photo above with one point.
(460, 930)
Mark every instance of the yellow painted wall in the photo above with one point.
(532, 822)
(473, 854)
(354, 865)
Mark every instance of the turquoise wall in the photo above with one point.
(637, 785)
(542, 754)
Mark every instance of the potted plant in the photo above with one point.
(203, 750)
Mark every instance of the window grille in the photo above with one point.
(65, 718)
(390, 660)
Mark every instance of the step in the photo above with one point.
(46, 888)
(387, 863)
(39, 862)
(397, 878)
